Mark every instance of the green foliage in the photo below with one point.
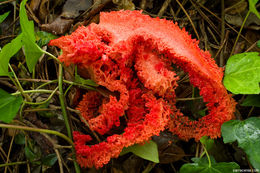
(29, 154)
(32, 51)
(19, 139)
(82, 81)
(207, 142)
(247, 134)
(9, 106)
(252, 7)
(49, 160)
(3, 16)
(252, 100)
(148, 151)
(258, 43)
(242, 74)
(202, 165)
(7, 52)
(43, 38)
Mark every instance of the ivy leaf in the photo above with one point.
(148, 151)
(3, 16)
(7, 52)
(252, 7)
(247, 134)
(9, 106)
(258, 44)
(252, 100)
(201, 165)
(242, 74)
(43, 38)
(49, 160)
(32, 51)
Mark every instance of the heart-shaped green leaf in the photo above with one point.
(9, 106)
(148, 151)
(242, 74)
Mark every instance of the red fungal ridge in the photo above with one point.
(131, 54)
(137, 131)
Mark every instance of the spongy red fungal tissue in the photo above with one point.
(132, 54)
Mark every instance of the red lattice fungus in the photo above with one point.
(132, 54)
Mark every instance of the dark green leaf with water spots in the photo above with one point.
(201, 165)
(247, 134)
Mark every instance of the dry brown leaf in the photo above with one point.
(124, 4)
(58, 26)
(70, 11)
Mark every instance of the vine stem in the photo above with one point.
(64, 112)
(239, 33)
(18, 85)
(33, 91)
(38, 130)
(207, 155)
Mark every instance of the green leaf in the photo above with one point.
(207, 142)
(82, 81)
(201, 165)
(3, 16)
(7, 52)
(43, 38)
(252, 7)
(19, 139)
(49, 160)
(247, 134)
(29, 154)
(148, 151)
(258, 43)
(252, 100)
(242, 74)
(9, 106)
(32, 51)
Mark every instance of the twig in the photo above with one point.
(5, 2)
(251, 47)
(163, 8)
(220, 20)
(13, 163)
(197, 35)
(238, 35)
(9, 126)
(222, 35)
(9, 151)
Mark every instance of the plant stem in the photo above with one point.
(52, 56)
(33, 91)
(13, 163)
(239, 33)
(45, 101)
(65, 115)
(207, 155)
(38, 130)
(18, 85)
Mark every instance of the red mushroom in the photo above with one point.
(131, 53)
